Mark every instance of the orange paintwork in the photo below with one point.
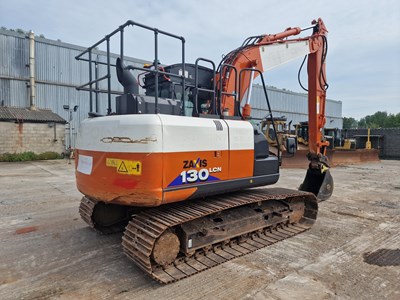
(160, 172)
(316, 94)
(178, 195)
(106, 184)
(246, 111)
(241, 163)
(249, 57)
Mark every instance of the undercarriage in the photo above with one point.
(176, 241)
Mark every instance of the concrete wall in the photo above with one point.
(385, 139)
(35, 137)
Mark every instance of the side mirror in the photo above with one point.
(291, 145)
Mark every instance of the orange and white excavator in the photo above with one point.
(176, 168)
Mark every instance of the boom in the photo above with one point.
(265, 52)
(268, 51)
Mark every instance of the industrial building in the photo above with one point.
(39, 73)
(293, 106)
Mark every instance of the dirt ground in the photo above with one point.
(47, 251)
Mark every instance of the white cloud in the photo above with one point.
(364, 36)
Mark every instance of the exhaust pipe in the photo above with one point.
(127, 80)
(318, 178)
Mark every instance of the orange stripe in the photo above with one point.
(158, 172)
(179, 195)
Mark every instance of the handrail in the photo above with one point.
(234, 94)
(196, 83)
(266, 98)
(156, 70)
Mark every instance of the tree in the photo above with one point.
(349, 123)
(392, 121)
(362, 123)
(380, 119)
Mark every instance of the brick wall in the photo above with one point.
(35, 137)
(388, 143)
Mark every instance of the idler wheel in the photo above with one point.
(166, 248)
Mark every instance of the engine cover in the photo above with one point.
(152, 159)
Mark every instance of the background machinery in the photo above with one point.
(296, 157)
(282, 132)
(174, 168)
(341, 150)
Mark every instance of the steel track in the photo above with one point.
(86, 209)
(143, 230)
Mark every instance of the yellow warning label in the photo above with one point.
(112, 162)
(128, 167)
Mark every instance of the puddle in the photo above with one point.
(383, 257)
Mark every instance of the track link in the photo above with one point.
(146, 227)
(86, 209)
(87, 212)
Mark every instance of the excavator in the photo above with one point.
(177, 164)
(282, 129)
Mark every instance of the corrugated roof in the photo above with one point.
(19, 114)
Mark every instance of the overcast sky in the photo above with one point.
(363, 64)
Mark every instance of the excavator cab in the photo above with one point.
(268, 129)
(302, 133)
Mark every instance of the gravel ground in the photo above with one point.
(47, 251)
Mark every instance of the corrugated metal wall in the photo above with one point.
(58, 73)
(14, 58)
(294, 106)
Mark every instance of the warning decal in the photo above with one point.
(122, 168)
(128, 167)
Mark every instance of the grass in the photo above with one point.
(28, 156)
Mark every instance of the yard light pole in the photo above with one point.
(70, 110)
